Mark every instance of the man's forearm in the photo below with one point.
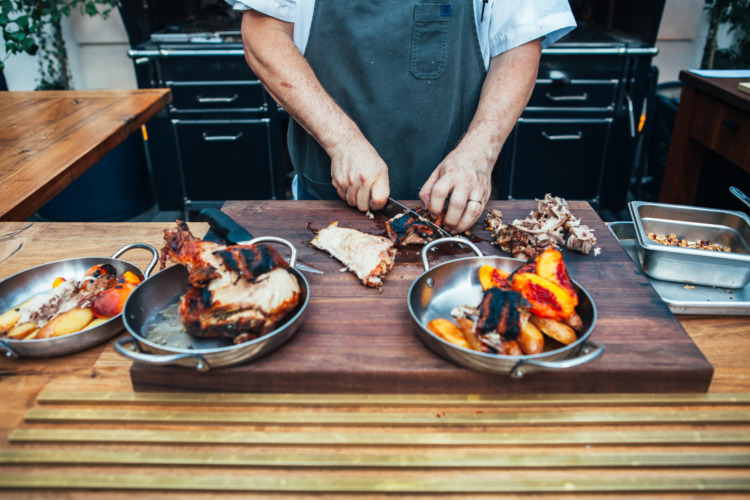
(505, 93)
(286, 75)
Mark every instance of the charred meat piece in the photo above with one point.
(500, 315)
(239, 292)
(368, 256)
(405, 229)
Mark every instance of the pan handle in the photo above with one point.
(9, 351)
(136, 354)
(589, 352)
(261, 239)
(154, 255)
(440, 241)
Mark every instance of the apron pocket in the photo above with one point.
(429, 42)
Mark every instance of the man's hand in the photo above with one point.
(466, 178)
(465, 174)
(359, 175)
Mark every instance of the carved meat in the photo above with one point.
(368, 256)
(239, 291)
(405, 229)
(501, 316)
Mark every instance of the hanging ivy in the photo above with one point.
(34, 27)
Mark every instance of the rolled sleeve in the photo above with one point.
(284, 10)
(516, 22)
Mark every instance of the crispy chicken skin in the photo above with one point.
(368, 256)
(239, 291)
(405, 229)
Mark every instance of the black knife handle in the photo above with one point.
(225, 226)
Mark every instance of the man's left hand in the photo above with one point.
(466, 178)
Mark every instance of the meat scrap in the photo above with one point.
(239, 292)
(405, 229)
(551, 225)
(368, 256)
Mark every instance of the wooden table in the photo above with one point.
(49, 138)
(713, 116)
(626, 445)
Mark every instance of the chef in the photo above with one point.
(400, 98)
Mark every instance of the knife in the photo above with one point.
(392, 208)
(235, 234)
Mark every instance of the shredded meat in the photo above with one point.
(239, 292)
(548, 226)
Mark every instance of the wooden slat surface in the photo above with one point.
(50, 138)
(358, 340)
(723, 340)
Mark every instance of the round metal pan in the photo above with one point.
(166, 287)
(443, 287)
(22, 286)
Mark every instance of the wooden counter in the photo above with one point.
(49, 138)
(713, 116)
(624, 445)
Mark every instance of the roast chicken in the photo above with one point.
(240, 292)
(405, 229)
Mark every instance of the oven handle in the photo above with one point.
(221, 138)
(205, 100)
(566, 98)
(563, 137)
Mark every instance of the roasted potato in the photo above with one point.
(21, 330)
(67, 322)
(555, 329)
(96, 322)
(448, 330)
(531, 339)
(9, 319)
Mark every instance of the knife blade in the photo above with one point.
(234, 234)
(392, 208)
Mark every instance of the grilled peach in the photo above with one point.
(110, 302)
(58, 281)
(550, 265)
(548, 300)
(129, 278)
(448, 330)
(490, 276)
(101, 270)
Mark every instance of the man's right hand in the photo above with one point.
(359, 174)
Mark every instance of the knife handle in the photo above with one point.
(224, 225)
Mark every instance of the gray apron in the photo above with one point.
(409, 74)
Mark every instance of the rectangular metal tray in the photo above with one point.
(679, 297)
(692, 265)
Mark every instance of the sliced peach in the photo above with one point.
(548, 300)
(490, 276)
(550, 265)
(130, 278)
(101, 270)
(110, 302)
(58, 281)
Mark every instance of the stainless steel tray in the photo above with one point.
(679, 297)
(692, 265)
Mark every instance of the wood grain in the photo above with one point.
(356, 339)
(724, 341)
(50, 138)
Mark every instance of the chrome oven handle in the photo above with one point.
(566, 98)
(221, 138)
(563, 137)
(206, 100)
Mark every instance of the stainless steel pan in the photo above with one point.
(22, 286)
(443, 287)
(145, 304)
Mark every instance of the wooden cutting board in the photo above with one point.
(359, 340)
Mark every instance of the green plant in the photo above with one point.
(33, 27)
(736, 14)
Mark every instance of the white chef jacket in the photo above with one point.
(507, 23)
